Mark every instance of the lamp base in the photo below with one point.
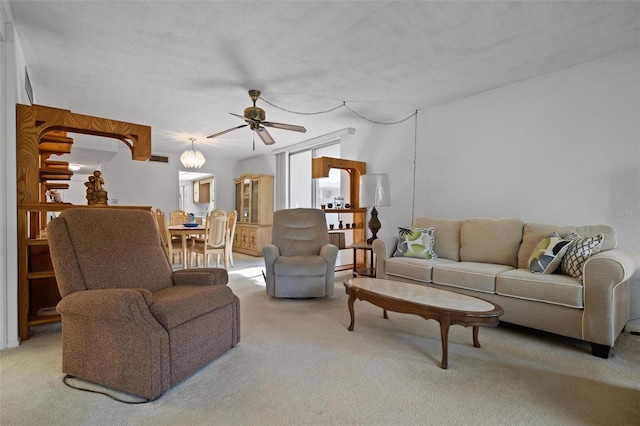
(374, 226)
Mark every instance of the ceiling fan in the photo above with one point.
(255, 118)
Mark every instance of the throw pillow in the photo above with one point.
(580, 249)
(416, 242)
(548, 254)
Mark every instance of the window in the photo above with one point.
(304, 191)
(294, 186)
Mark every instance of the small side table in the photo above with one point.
(365, 271)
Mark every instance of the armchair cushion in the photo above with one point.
(111, 303)
(299, 231)
(176, 305)
(101, 241)
(200, 276)
(311, 265)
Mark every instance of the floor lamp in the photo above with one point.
(374, 192)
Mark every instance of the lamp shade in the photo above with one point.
(374, 190)
(192, 159)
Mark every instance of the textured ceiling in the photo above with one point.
(182, 66)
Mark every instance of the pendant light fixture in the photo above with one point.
(192, 159)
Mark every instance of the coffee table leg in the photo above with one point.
(352, 298)
(384, 314)
(444, 335)
(476, 343)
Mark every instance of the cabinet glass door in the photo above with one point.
(246, 201)
(239, 199)
(254, 201)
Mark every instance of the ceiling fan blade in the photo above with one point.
(248, 120)
(265, 136)
(227, 131)
(284, 126)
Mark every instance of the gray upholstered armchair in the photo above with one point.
(128, 321)
(300, 262)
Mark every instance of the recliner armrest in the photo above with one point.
(329, 252)
(270, 253)
(111, 303)
(201, 276)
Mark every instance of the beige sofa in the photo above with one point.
(488, 258)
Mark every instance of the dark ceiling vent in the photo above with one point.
(159, 158)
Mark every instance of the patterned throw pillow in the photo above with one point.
(416, 242)
(548, 254)
(580, 249)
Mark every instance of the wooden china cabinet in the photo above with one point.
(254, 203)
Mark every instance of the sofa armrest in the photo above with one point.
(606, 294)
(383, 248)
(200, 276)
(112, 303)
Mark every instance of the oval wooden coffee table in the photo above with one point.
(446, 307)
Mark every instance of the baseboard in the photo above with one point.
(633, 326)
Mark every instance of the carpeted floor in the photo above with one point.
(297, 364)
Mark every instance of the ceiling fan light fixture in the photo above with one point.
(255, 118)
(191, 158)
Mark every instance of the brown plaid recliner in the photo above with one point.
(128, 321)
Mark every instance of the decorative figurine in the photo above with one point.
(96, 195)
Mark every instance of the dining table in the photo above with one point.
(184, 232)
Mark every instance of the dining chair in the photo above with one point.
(214, 239)
(172, 246)
(232, 219)
(178, 217)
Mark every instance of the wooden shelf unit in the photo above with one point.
(37, 286)
(320, 168)
(42, 132)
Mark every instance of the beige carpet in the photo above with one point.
(297, 364)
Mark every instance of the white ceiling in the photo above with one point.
(182, 66)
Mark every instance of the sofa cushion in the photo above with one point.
(415, 242)
(469, 275)
(554, 288)
(547, 255)
(580, 249)
(534, 232)
(447, 235)
(488, 240)
(412, 268)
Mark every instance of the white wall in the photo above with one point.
(563, 148)
(12, 91)
(156, 184)
(259, 165)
